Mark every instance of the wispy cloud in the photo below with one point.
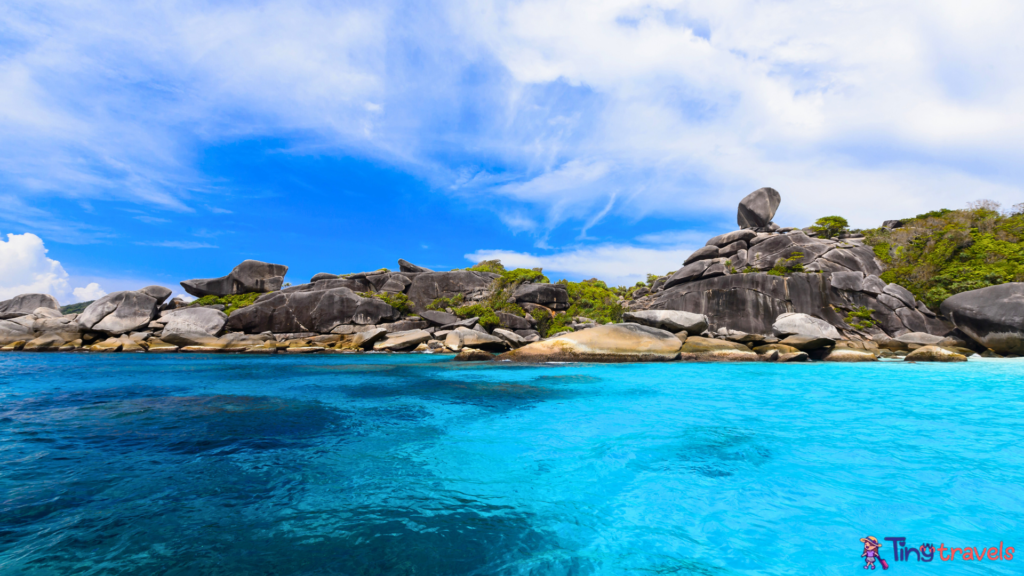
(152, 220)
(673, 109)
(614, 263)
(177, 244)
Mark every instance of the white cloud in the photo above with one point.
(675, 108)
(25, 269)
(616, 264)
(186, 297)
(90, 292)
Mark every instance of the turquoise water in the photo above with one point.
(374, 464)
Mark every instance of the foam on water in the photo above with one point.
(375, 464)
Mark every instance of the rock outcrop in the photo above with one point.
(119, 313)
(671, 320)
(429, 286)
(607, 343)
(553, 296)
(798, 324)
(25, 304)
(992, 316)
(317, 311)
(249, 276)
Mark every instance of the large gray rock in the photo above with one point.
(795, 323)
(605, 343)
(992, 316)
(751, 302)
(554, 296)
(764, 255)
(14, 332)
(159, 292)
(429, 286)
(406, 340)
(323, 276)
(689, 273)
(465, 338)
(249, 276)
(848, 281)
(25, 304)
(439, 318)
(513, 322)
(671, 320)
(704, 253)
(919, 338)
(406, 266)
(119, 313)
(731, 237)
(189, 320)
(854, 258)
(353, 284)
(314, 311)
(757, 209)
(902, 294)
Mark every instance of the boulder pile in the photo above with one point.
(759, 293)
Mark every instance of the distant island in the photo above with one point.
(940, 286)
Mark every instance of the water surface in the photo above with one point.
(412, 464)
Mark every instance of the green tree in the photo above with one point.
(830, 226)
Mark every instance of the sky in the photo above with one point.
(149, 143)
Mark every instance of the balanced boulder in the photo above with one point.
(991, 316)
(249, 276)
(606, 343)
(25, 304)
(757, 209)
(406, 266)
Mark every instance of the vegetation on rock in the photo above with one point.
(830, 226)
(397, 301)
(231, 302)
(75, 308)
(860, 318)
(440, 304)
(785, 266)
(945, 252)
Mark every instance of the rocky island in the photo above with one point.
(762, 292)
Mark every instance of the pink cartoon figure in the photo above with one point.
(870, 554)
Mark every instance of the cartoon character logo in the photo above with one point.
(870, 554)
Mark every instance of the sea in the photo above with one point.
(413, 464)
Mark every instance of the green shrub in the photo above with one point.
(492, 266)
(860, 318)
(560, 323)
(830, 226)
(231, 302)
(397, 301)
(488, 319)
(440, 304)
(944, 252)
(786, 266)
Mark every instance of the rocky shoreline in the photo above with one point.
(759, 293)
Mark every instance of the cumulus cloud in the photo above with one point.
(614, 263)
(92, 291)
(25, 269)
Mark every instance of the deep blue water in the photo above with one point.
(412, 464)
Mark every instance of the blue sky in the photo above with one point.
(144, 144)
